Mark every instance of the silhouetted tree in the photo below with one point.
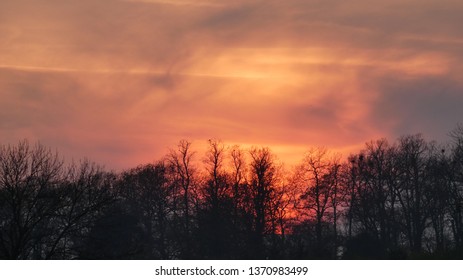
(413, 184)
(243, 214)
(45, 208)
(262, 185)
(84, 194)
(399, 200)
(282, 214)
(29, 183)
(455, 174)
(182, 172)
(146, 191)
(215, 217)
(375, 203)
(438, 194)
(317, 179)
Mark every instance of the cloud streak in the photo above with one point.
(181, 3)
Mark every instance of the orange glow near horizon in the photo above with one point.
(122, 81)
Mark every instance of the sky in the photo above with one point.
(122, 81)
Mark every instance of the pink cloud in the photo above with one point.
(121, 81)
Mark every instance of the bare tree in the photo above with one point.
(217, 187)
(440, 182)
(336, 198)
(414, 182)
(146, 189)
(262, 185)
(456, 186)
(29, 179)
(215, 215)
(85, 193)
(373, 186)
(182, 177)
(316, 178)
(239, 169)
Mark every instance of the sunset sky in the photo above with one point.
(121, 81)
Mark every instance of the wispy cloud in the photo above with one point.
(182, 2)
(143, 74)
(76, 70)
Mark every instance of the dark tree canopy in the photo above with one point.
(391, 200)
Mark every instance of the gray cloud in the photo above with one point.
(431, 105)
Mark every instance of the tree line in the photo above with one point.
(399, 200)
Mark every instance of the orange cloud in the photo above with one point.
(121, 81)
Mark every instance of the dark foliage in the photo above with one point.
(401, 200)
